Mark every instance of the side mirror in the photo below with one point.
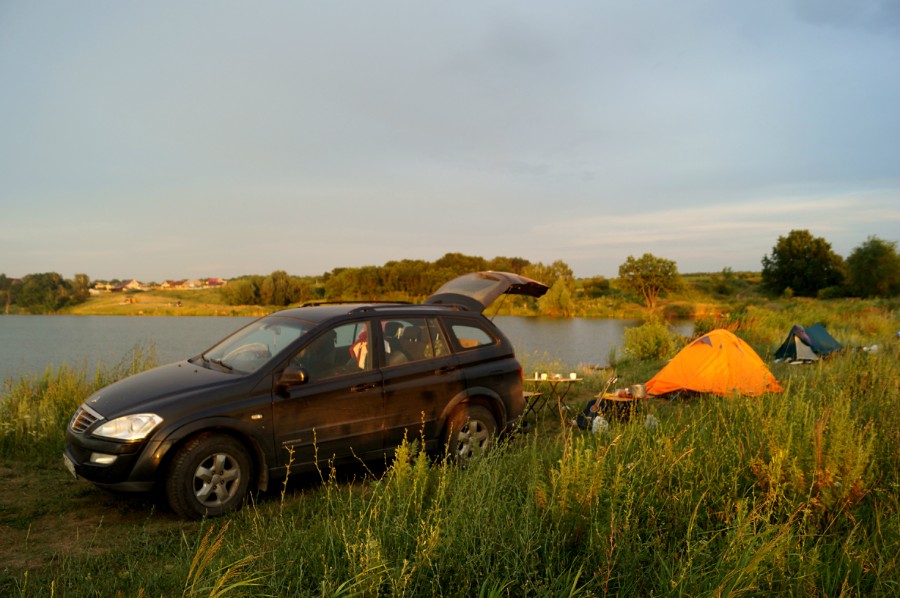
(293, 376)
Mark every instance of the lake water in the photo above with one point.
(31, 344)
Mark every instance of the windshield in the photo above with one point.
(251, 347)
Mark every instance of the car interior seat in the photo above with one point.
(392, 331)
(411, 343)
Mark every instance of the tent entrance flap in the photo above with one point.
(803, 352)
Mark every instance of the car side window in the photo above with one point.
(469, 335)
(411, 339)
(342, 350)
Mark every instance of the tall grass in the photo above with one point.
(35, 409)
(791, 493)
(856, 323)
(785, 494)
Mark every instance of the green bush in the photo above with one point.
(651, 340)
(833, 292)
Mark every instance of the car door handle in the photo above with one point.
(446, 369)
(363, 387)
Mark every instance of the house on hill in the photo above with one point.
(200, 283)
(130, 285)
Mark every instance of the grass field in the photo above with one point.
(794, 493)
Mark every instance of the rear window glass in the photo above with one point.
(469, 335)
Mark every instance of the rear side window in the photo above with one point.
(470, 335)
(412, 339)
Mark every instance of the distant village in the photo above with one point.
(100, 287)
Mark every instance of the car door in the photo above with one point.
(418, 382)
(487, 360)
(337, 412)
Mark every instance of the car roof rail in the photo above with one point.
(388, 305)
(373, 305)
(354, 302)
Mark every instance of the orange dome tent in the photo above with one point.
(719, 363)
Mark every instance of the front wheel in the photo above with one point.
(209, 476)
(470, 432)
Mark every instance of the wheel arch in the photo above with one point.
(226, 427)
(482, 396)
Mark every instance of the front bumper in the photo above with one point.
(118, 475)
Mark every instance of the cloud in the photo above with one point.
(583, 132)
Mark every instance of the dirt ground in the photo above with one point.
(46, 514)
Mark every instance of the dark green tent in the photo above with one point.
(807, 344)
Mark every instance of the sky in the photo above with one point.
(216, 138)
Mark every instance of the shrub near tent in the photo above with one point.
(719, 363)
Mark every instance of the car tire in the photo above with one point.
(470, 432)
(209, 476)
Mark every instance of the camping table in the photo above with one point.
(534, 402)
(621, 407)
(557, 389)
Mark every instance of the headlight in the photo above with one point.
(129, 427)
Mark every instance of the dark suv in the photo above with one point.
(314, 384)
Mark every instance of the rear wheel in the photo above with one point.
(470, 432)
(209, 476)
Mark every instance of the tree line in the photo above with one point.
(406, 280)
(43, 293)
(799, 264)
(804, 265)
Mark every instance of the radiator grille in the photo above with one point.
(83, 419)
